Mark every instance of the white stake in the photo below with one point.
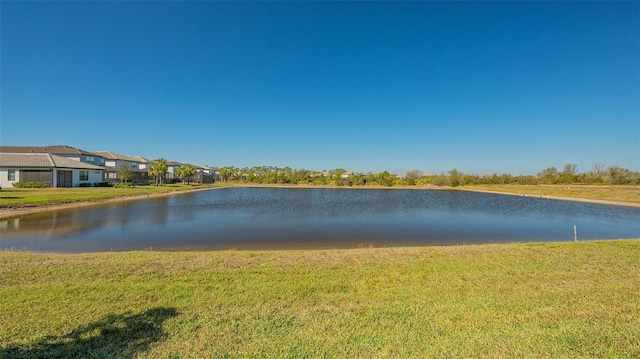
(575, 233)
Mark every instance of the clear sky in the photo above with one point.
(483, 87)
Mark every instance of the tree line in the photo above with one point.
(599, 174)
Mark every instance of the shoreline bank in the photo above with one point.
(557, 198)
(20, 211)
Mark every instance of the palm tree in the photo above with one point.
(158, 169)
(186, 172)
(226, 173)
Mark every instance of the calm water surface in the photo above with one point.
(275, 218)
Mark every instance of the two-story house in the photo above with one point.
(113, 161)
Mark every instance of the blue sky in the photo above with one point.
(483, 87)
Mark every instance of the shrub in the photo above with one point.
(122, 185)
(84, 185)
(103, 184)
(30, 185)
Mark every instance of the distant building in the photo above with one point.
(54, 170)
(107, 162)
(139, 166)
(65, 151)
(172, 167)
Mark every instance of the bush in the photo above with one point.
(103, 184)
(84, 185)
(30, 185)
(122, 185)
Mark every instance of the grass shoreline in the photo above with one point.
(533, 300)
(628, 196)
(50, 199)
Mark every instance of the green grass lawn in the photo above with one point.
(34, 197)
(630, 194)
(534, 300)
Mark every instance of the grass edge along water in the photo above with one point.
(524, 300)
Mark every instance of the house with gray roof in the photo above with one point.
(54, 170)
(114, 161)
(172, 167)
(206, 174)
(65, 151)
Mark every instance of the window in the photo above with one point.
(89, 159)
(12, 175)
(84, 175)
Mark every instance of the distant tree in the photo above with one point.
(412, 176)
(185, 172)
(549, 175)
(469, 179)
(442, 180)
(226, 173)
(158, 169)
(570, 168)
(618, 175)
(569, 172)
(252, 177)
(385, 178)
(455, 177)
(320, 179)
(598, 172)
(125, 174)
(336, 177)
(301, 176)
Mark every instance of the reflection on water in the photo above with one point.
(263, 218)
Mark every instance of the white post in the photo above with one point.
(575, 233)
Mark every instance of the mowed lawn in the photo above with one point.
(566, 300)
(39, 197)
(625, 194)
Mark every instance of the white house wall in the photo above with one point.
(95, 176)
(4, 178)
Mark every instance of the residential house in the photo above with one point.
(139, 166)
(143, 163)
(65, 151)
(111, 162)
(172, 167)
(204, 174)
(212, 171)
(54, 170)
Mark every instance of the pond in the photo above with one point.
(297, 218)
